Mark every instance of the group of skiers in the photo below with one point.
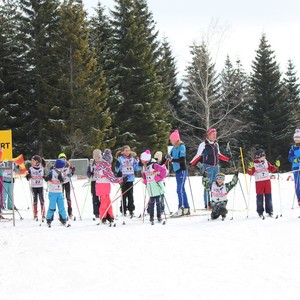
(154, 172)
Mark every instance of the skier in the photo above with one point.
(36, 174)
(153, 176)
(55, 194)
(178, 158)
(126, 165)
(97, 154)
(261, 169)
(104, 176)
(219, 190)
(209, 153)
(67, 173)
(294, 158)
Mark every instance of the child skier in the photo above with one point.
(219, 190)
(126, 165)
(261, 169)
(294, 158)
(36, 174)
(97, 154)
(67, 173)
(153, 175)
(56, 197)
(104, 176)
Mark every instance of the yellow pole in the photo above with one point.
(244, 170)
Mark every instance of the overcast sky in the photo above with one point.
(185, 21)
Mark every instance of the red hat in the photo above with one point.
(210, 131)
(174, 136)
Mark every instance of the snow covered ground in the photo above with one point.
(188, 258)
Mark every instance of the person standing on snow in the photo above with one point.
(67, 173)
(219, 190)
(127, 163)
(294, 158)
(104, 176)
(36, 174)
(153, 176)
(56, 197)
(261, 169)
(177, 157)
(209, 154)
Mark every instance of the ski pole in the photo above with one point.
(279, 193)
(75, 198)
(191, 192)
(233, 203)
(248, 206)
(244, 169)
(88, 184)
(296, 186)
(20, 177)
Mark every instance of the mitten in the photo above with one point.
(251, 165)
(277, 163)
(205, 181)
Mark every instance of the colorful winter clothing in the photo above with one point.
(153, 176)
(294, 158)
(104, 176)
(36, 176)
(178, 159)
(219, 194)
(261, 170)
(209, 153)
(126, 166)
(55, 195)
(95, 198)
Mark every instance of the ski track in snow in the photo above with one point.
(188, 258)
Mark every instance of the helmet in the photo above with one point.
(62, 155)
(220, 176)
(259, 153)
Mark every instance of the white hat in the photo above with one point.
(297, 135)
(146, 156)
(97, 154)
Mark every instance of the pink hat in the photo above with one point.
(146, 156)
(210, 131)
(174, 136)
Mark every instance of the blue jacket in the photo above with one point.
(178, 155)
(294, 157)
(127, 165)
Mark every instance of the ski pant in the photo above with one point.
(212, 171)
(297, 185)
(155, 200)
(56, 199)
(182, 197)
(106, 210)
(260, 203)
(218, 209)
(67, 190)
(38, 192)
(128, 195)
(7, 194)
(95, 199)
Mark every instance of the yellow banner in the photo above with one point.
(6, 144)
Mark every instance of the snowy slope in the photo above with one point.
(188, 258)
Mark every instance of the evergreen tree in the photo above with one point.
(292, 94)
(141, 118)
(83, 106)
(269, 111)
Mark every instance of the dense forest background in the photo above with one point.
(73, 82)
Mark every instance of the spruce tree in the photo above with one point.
(269, 110)
(141, 119)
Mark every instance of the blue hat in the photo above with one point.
(60, 163)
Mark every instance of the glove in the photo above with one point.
(277, 163)
(251, 165)
(236, 173)
(125, 179)
(296, 160)
(69, 175)
(28, 176)
(168, 157)
(205, 181)
(73, 169)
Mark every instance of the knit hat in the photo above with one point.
(174, 136)
(37, 158)
(297, 135)
(259, 153)
(60, 163)
(210, 131)
(107, 156)
(146, 156)
(62, 155)
(97, 153)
